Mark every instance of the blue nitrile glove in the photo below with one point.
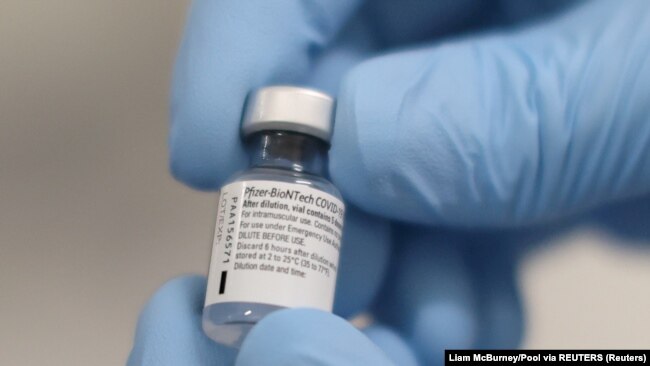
(169, 333)
(545, 115)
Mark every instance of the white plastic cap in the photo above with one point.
(289, 108)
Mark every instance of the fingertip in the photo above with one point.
(192, 174)
(443, 324)
(392, 344)
(169, 328)
(184, 293)
(204, 164)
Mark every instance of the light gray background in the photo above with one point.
(91, 223)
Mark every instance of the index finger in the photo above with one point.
(169, 328)
(229, 48)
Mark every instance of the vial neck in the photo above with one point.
(288, 151)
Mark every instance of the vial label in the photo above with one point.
(275, 243)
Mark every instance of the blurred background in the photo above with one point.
(91, 223)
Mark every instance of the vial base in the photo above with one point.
(228, 323)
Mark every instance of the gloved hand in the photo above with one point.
(169, 333)
(544, 116)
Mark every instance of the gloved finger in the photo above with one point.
(365, 251)
(502, 130)
(429, 296)
(310, 337)
(230, 47)
(493, 261)
(169, 328)
(396, 348)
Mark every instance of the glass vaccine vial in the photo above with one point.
(279, 223)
